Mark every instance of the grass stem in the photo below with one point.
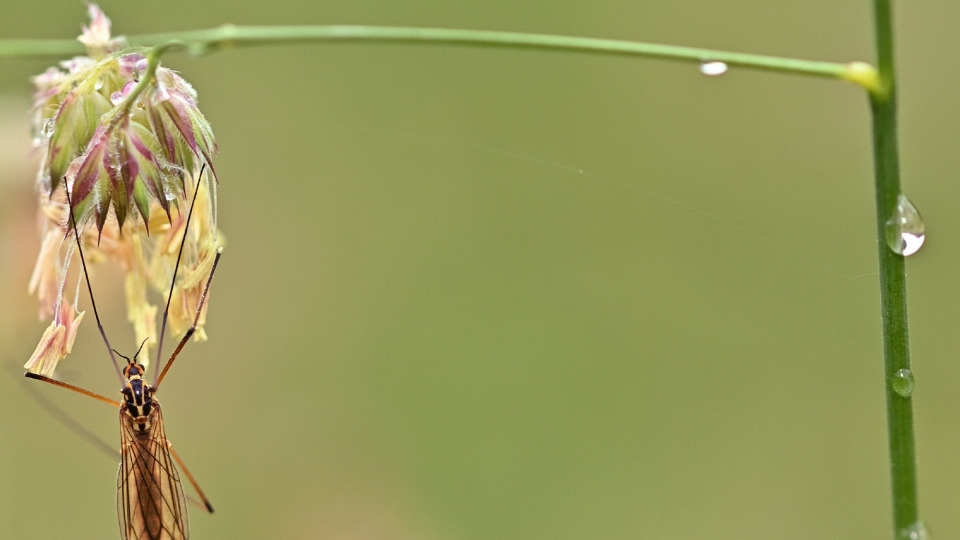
(893, 284)
(229, 36)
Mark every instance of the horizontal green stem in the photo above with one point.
(39, 48)
(228, 36)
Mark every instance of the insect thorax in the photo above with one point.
(138, 402)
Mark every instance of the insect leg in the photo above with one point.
(71, 387)
(193, 481)
(86, 275)
(176, 268)
(196, 319)
(71, 423)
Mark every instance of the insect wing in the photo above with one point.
(150, 500)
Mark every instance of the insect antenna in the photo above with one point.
(127, 358)
(86, 276)
(136, 354)
(176, 268)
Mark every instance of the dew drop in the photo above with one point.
(42, 134)
(902, 383)
(116, 97)
(915, 532)
(48, 127)
(713, 68)
(98, 85)
(905, 231)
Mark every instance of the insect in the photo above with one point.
(151, 504)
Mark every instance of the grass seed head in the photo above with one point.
(124, 146)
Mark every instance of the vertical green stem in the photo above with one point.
(893, 285)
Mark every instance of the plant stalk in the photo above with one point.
(893, 283)
(228, 36)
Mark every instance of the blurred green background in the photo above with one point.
(430, 324)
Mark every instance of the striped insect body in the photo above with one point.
(150, 501)
(137, 396)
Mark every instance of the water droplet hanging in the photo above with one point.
(905, 230)
(917, 531)
(713, 68)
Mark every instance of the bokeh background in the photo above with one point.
(474, 294)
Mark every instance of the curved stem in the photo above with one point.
(153, 62)
(228, 36)
(893, 283)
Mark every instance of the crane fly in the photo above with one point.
(151, 504)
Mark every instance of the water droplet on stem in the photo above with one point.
(905, 230)
(902, 383)
(713, 68)
(915, 532)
